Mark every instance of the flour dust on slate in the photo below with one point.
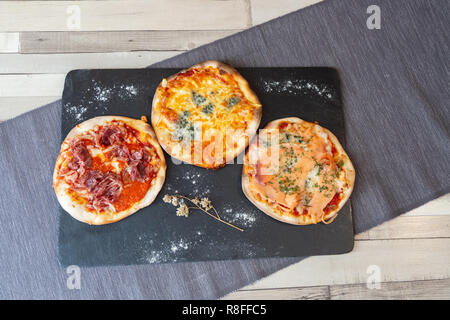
(97, 97)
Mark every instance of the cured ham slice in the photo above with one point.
(81, 154)
(106, 191)
(119, 151)
(138, 171)
(108, 135)
(91, 179)
(138, 168)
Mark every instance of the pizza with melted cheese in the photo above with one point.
(205, 115)
(297, 172)
(108, 168)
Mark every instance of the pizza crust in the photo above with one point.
(302, 219)
(78, 211)
(172, 147)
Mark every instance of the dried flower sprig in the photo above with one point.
(203, 204)
(183, 210)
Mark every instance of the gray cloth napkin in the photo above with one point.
(395, 96)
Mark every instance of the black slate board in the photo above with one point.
(155, 234)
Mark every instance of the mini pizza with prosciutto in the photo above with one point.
(108, 168)
(205, 115)
(297, 172)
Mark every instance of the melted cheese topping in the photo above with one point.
(207, 105)
(297, 170)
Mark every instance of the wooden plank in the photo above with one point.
(265, 10)
(9, 42)
(405, 227)
(305, 293)
(397, 260)
(117, 41)
(32, 85)
(439, 206)
(410, 290)
(62, 63)
(12, 107)
(406, 290)
(124, 15)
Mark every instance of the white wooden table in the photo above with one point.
(42, 40)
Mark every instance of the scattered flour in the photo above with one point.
(101, 93)
(76, 112)
(155, 257)
(168, 251)
(126, 91)
(180, 245)
(299, 87)
(95, 98)
(131, 90)
(239, 217)
(244, 219)
(250, 250)
(194, 181)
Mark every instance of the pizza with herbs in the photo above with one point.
(297, 172)
(205, 115)
(108, 168)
